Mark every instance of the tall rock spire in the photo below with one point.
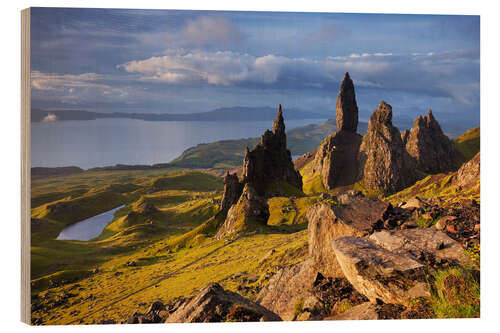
(270, 161)
(347, 108)
(336, 159)
(279, 123)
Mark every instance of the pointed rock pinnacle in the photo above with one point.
(347, 108)
(279, 123)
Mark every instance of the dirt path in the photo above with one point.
(164, 277)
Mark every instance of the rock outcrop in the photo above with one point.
(432, 151)
(232, 192)
(380, 274)
(370, 311)
(336, 159)
(421, 243)
(250, 212)
(147, 208)
(347, 108)
(270, 162)
(384, 163)
(214, 304)
(356, 216)
(286, 288)
(469, 172)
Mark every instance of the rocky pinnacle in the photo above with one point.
(347, 109)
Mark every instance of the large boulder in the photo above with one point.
(337, 159)
(384, 163)
(214, 304)
(370, 311)
(432, 151)
(469, 172)
(249, 213)
(420, 243)
(355, 216)
(270, 162)
(347, 108)
(380, 274)
(288, 287)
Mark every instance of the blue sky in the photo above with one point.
(195, 61)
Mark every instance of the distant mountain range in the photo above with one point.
(237, 113)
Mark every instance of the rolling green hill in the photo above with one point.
(229, 153)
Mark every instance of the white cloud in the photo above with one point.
(206, 30)
(49, 118)
(48, 81)
(71, 88)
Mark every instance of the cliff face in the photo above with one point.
(336, 158)
(431, 150)
(469, 173)
(232, 191)
(385, 164)
(270, 161)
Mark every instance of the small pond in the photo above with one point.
(89, 228)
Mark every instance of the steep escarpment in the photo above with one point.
(384, 163)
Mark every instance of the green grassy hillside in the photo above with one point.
(468, 144)
(172, 248)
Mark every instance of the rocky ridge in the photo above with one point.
(377, 250)
(431, 150)
(385, 164)
(267, 165)
(383, 160)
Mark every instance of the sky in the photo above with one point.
(165, 61)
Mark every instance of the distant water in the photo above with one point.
(105, 142)
(89, 228)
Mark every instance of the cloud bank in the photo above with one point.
(450, 74)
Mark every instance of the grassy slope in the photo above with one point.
(468, 144)
(173, 249)
(177, 240)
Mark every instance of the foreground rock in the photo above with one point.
(250, 212)
(370, 311)
(270, 162)
(432, 151)
(356, 216)
(422, 244)
(157, 312)
(288, 287)
(384, 163)
(214, 304)
(379, 274)
(468, 174)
